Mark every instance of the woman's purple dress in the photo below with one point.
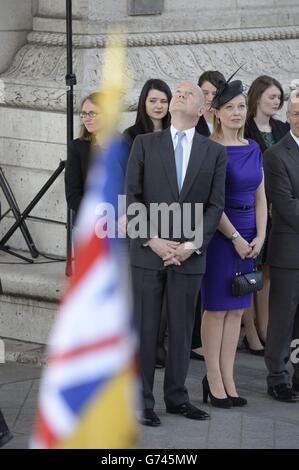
(243, 176)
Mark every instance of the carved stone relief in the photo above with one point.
(37, 76)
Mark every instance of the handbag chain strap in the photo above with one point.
(238, 272)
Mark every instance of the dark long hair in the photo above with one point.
(94, 98)
(143, 121)
(212, 76)
(257, 88)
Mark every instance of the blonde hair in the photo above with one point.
(217, 134)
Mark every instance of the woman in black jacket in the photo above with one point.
(152, 109)
(208, 82)
(80, 151)
(265, 99)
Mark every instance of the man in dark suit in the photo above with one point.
(281, 165)
(178, 166)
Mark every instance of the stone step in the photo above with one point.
(22, 352)
(29, 298)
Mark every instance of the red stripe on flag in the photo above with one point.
(86, 348)
(43, 432)
(87, 254)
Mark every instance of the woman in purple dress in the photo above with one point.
(240, 236)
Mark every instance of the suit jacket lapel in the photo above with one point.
(292, 147)
(197, 155)
(167, 157)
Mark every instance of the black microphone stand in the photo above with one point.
(70, 80)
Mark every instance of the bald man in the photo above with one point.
(178, 168)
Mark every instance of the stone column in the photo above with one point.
(177, 41)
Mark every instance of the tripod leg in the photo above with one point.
(21, 218)
(7, 250)
(17, 214)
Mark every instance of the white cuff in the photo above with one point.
(191, 246)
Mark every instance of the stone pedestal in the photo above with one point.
(179, 42)
(29, 299)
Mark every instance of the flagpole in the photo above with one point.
(70, 81)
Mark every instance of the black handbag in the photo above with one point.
(246, 283)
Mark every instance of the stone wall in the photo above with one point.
(180, 42)
(15, 23)
(177, 15)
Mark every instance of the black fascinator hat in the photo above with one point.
(227, 90)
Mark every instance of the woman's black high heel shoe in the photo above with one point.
(237, 401)
(255, 352)
(218, 402)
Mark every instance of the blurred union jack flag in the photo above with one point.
(87, 392)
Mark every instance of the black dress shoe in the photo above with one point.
(188, 410)
(195, 355)
(295, 387)
(5, 437)
(283, 392)
(149, 418)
